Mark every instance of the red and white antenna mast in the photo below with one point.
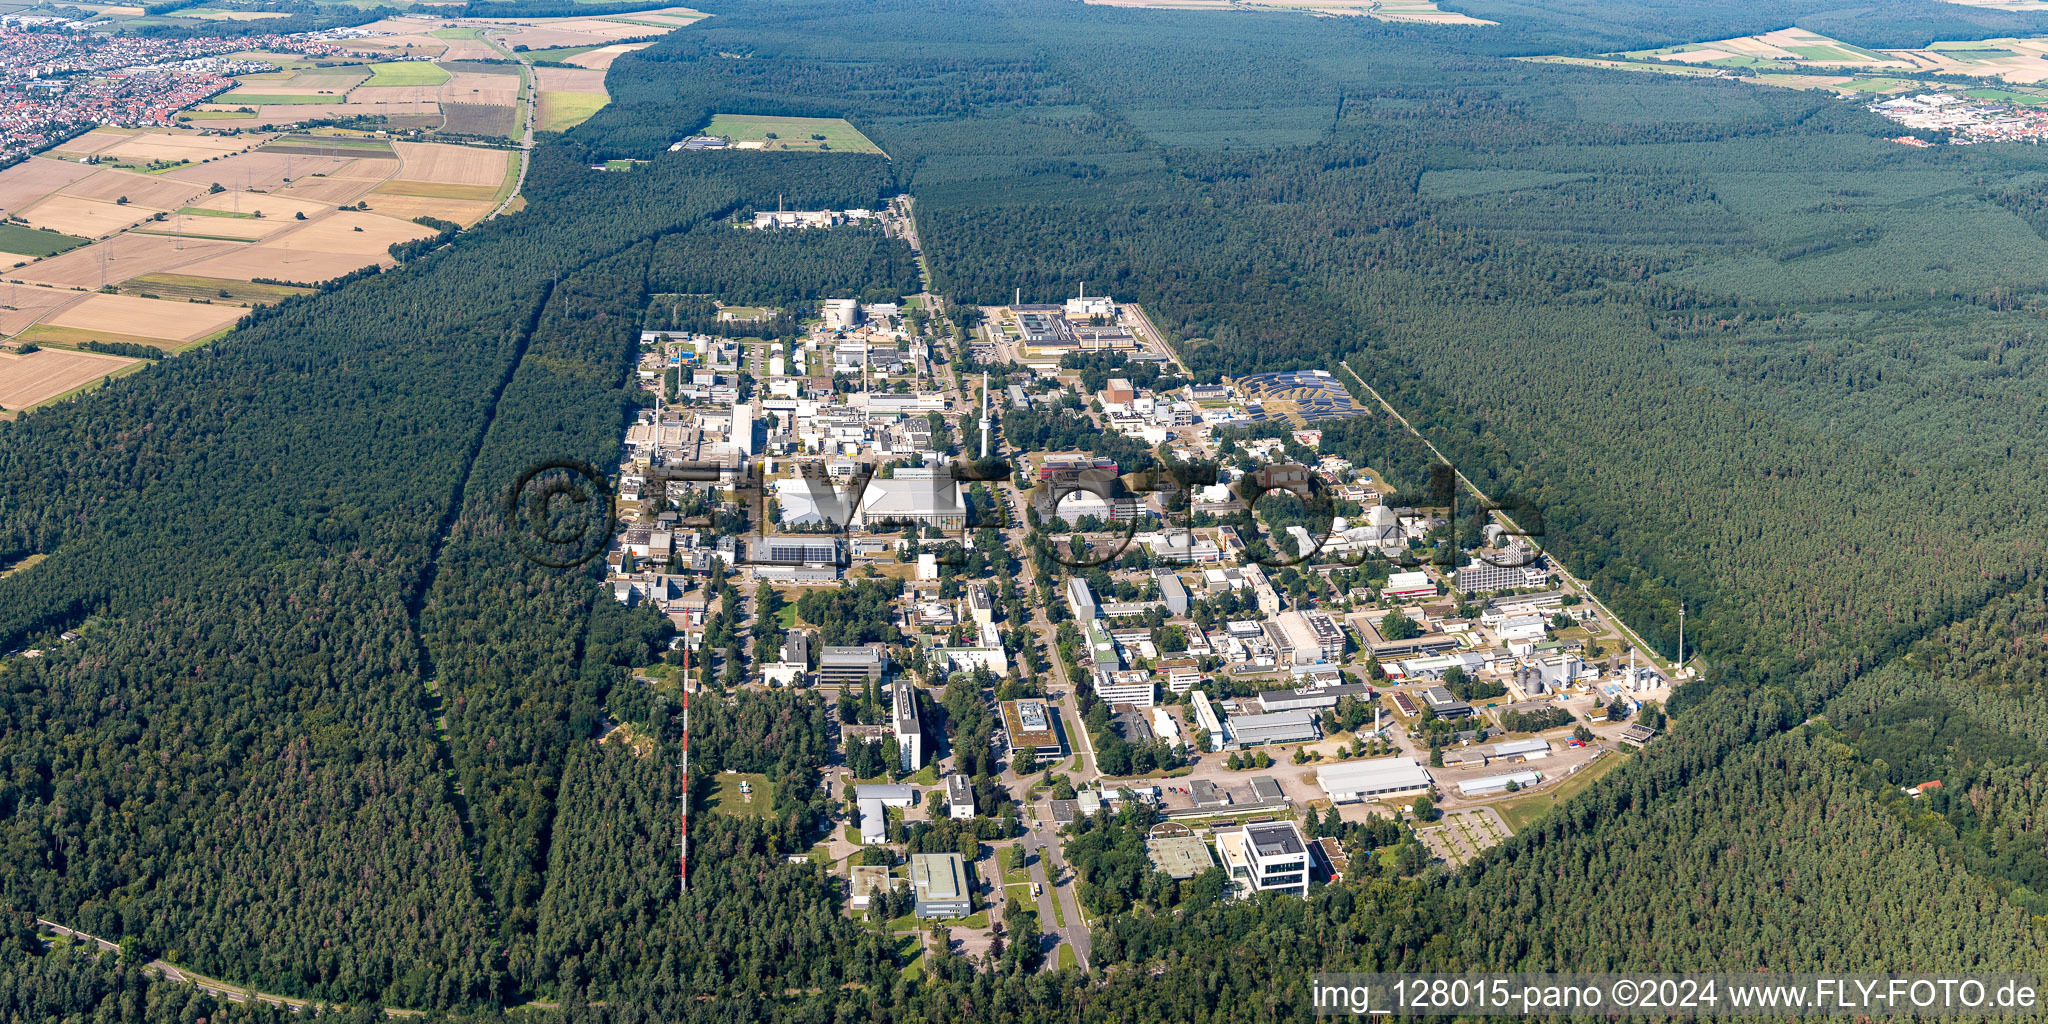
(683, 842)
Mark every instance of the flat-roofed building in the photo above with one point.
(1266, 856)
(1181, 856)
(1522, 750)
(908, 727)
(1080, 600)
(959, 797)
(939, 881)
(1409, 584)
(1498, 783)
(1266, 790)
(1310, 637)
(1444, 703)
(1134, 687)
(1181, 673)
(1465, 757)
(979, 607)
(1280, 727)
(866, 880)
(852, 666)
(1033, 723)
(1381, 778)
(874, 821)
(1172, 591)
(1206, 721)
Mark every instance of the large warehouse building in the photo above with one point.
(1381, 778)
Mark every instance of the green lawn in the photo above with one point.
(403, 72)
(1522, 812)
(194, 211)
(27, 241)
(456, 33)
(793, 132)
(1067, 958)
(727, 798)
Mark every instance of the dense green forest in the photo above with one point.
(324, 734)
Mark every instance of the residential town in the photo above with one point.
(1264, 701)
(57, 80)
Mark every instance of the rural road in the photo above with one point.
(529, 79)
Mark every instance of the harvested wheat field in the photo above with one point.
(35, 178)
(180, 144)
(92, 142)
(138, 317)
(465, 212)
(495, 90)
(22, 305)
(265, 171)
(118, 259)
(147, 191)
(37, 377)
(273, 207)
(451, 165)
(272, 262)
(602, 57)
(406, 98)
(338, 233)
(246, 229)
(347, 184)
(570, 79)
(317, 251)
(84, 217)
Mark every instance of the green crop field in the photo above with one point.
(561, 111)
(405, 72)
(27, 241)
(792, 133)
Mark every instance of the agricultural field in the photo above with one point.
(598, 57)
(399, 74)
(816, 134)
(321, 250)
(2016, 60)
(125, 317)
(32, 378)
(161, 147)
(1422, 11)
(19, 241)
(185, 288)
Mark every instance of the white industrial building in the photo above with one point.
(1522, 750)
(1381, 778)
(1498, 783)
(1409, 584)
(927, 502)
